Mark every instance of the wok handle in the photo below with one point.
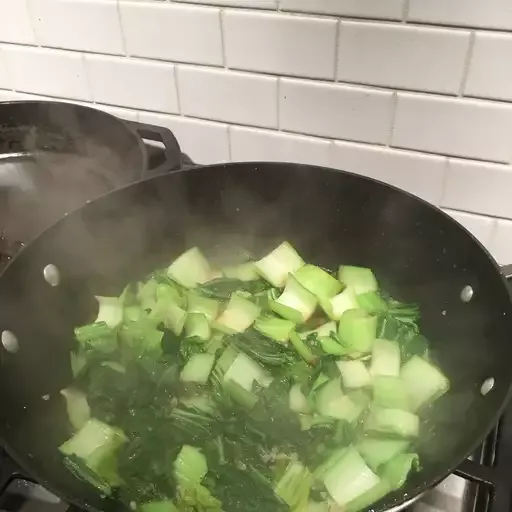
(172, 151)
(475, 472)
(9, 471)
(506, 271)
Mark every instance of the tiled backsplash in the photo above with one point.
(417, 93)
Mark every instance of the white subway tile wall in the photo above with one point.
(15, 26)
(48, 72)
(453, 126)
(401, 56)
(64, 24)
(172, 32)
(249, 144)
(422, 175)
(334, 110)
(490, 69)
(495, 14)
(281, 44)
(228, 96)
(132, 83)
(380, 9)
(415, 93)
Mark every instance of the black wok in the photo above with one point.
(417, 252)
(55, 156)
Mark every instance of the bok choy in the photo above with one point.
(268, 385)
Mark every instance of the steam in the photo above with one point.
(59, 164)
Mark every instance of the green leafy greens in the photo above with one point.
(270, 385)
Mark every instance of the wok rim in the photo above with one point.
(396, 504)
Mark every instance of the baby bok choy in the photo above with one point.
(271, 384)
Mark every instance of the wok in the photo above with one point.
(417, 252)
(55, 156)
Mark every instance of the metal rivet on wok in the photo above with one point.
(466, 294)
(487, 386)
(10, 342)
(51, 275)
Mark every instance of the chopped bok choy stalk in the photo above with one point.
(239, 374)
(325, 330)
(331, 346)
(167, 294)
(197, 327)
(245, 372)
(349, 478)
(379, 450)
(110, 311)
(354, 374)
(371, 302)
(397, 469)
(77, 407)
(335, 306)
(302, 348)
(297, 400)
(390, 392)
(425, 383)
(327, 337)
(385, 358)
(146, 294)
(318, 281)
(172, 316)
(295, 303)
(279, 264)
(294, 486)
(198, 368)
(357, 330)
(190, 465)
(276, 328)
(238, 316)
(262, 386)
(364, 501)
(243, 272)
(190, 269)
(207, 307)
(360, 279)
(95, 446)
(331, 402)
(392, 421)
(98, 336)
(158, 506)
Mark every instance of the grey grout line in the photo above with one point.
(124, 42)
(467, 64)
(176, 82)
(87, 79)
(230, 145)
(337, 43)
(229, 125)
(223, 38)
(409, 151)
(405, 11)
(476, 214)
(394, 106)
(493, 233)
(444, 180)
(313, 80)
(31, 21)
(278, 104)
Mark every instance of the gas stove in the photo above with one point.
(482, 483)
